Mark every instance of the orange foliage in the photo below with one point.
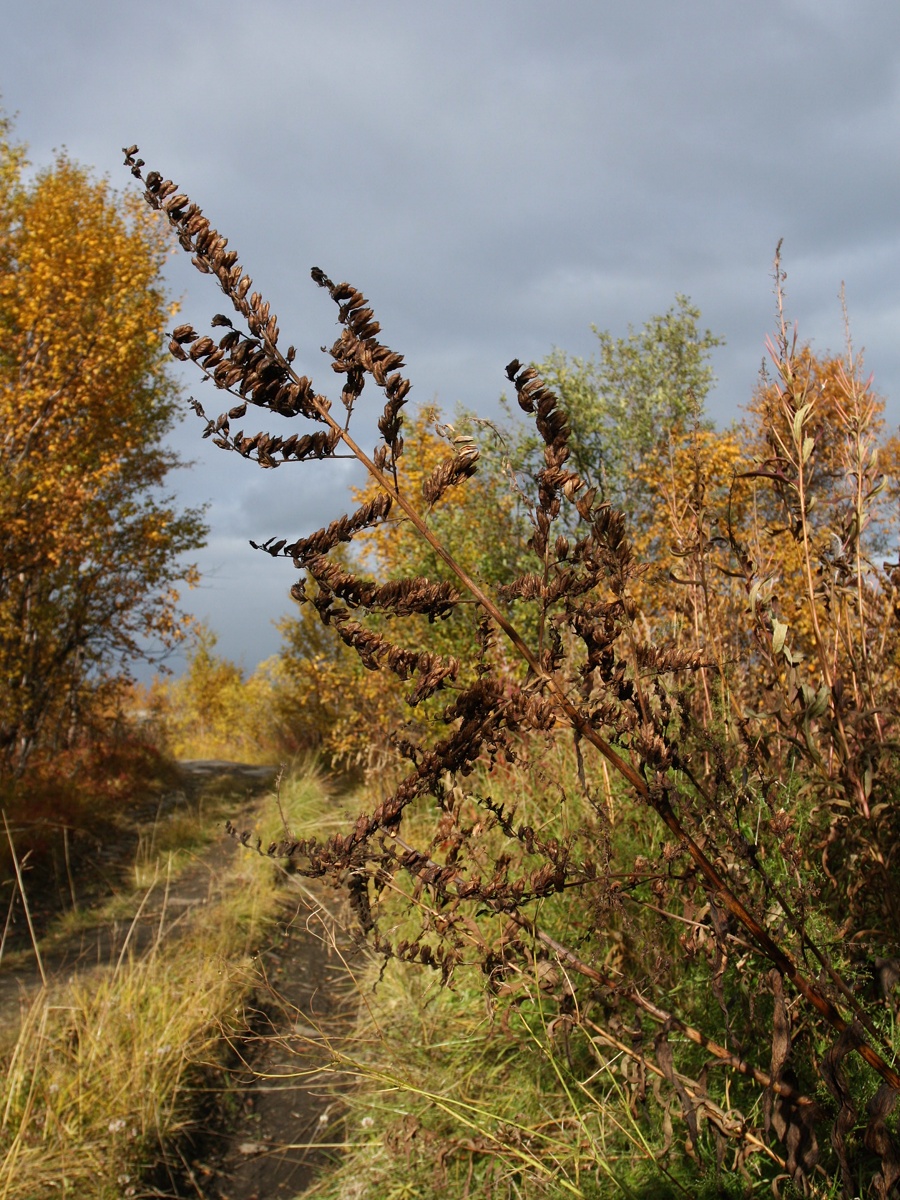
(87, 549)
(327, 697)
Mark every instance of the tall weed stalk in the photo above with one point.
(690, 890)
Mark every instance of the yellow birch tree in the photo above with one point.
(90, 548)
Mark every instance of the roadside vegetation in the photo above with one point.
(619, 691)
(636, 681)
(93, 551)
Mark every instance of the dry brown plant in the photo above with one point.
(593, 675)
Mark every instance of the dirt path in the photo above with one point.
(285, 1124)
(279, 1110)
(103, 871)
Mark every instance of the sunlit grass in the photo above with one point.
(450, 1098)
(98, 1083)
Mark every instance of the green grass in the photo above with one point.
(450, 1096)
(512, 1087)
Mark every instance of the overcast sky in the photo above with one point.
(496, 177)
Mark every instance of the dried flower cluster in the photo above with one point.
(592, 673)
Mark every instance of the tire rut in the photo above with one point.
(283, 1133)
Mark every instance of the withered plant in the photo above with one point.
(690, 810)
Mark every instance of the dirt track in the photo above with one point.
(101, 870)
(287, 1107)
(264, 1149)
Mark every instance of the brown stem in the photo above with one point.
(657, 799)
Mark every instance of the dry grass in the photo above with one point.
(98, 1083)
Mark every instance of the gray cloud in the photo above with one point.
(496, 178)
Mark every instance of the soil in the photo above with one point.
(270, 1120)
(285, 1124)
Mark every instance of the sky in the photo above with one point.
(497, 177)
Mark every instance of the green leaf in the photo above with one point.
(779, 633)
(799, 421)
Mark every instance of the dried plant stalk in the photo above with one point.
(593, 672)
